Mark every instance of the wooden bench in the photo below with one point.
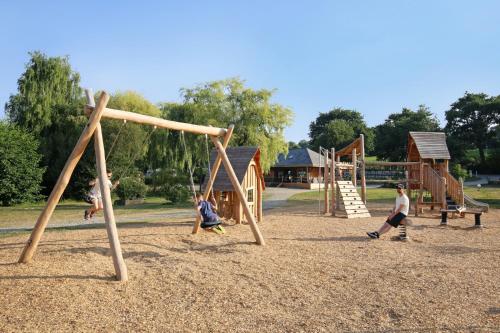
(477, 216)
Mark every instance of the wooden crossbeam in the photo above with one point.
(162, 123)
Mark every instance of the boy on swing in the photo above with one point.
(95, 196)
(210, 221)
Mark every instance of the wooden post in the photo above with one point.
(354, 167)
(420, 199)
(332, 180)
(213, 174)
(462, 197)
(363, 169)
(326, 181)
(408, 189)
(239, 191)
(63, 180)
(109, 216)
(337, 192)
(443, 193)
(259, 200)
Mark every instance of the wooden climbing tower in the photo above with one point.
(343, 179)
(350, 201)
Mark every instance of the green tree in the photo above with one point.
(471, 121)
(45, 89)
(391, 137)
(303, 143)
(130, 143)
(21, 175)
(337, 133)
(49, 104)
(258, 121)
(320, 129)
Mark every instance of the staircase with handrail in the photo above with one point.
(448, 192)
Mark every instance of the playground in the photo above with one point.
(316, 273)
(315, 269)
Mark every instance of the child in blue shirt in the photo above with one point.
(210, 220)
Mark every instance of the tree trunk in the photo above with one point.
(481, 156)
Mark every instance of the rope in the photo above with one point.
(116, 139)
(208, 163)
(183, 140)
(137, 153)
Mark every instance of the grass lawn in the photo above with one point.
(487, 194)
(373, 194)
(72, 210)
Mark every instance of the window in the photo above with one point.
(250, 195)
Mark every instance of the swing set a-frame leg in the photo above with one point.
(213, 174)
(109, 216)
(63, 180)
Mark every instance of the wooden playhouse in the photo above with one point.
(246, 164)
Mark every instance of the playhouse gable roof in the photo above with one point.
(240, 158)
(429, 145)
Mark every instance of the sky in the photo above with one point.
(371, 56)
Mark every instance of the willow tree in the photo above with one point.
(258, 121)
(45, 90)
(129, 142)
(49, 104)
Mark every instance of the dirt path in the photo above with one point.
(277, 196)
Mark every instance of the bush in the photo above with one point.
(176, 193)
(458, 172)
(131, 188)
(20, 173)
(172, 185)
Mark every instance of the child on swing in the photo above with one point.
(210, 220)
(95, 195)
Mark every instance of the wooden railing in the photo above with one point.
(435, 184)
(454, 188)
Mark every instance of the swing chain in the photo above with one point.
(188, 161)
(116, 139)
(208, 164)
(146, 139)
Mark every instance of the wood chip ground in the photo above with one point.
(316, 274)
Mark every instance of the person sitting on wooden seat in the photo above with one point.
(397, 216)
(210, 220)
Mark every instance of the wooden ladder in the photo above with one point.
(350, 201)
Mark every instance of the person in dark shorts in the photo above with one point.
(210, 221)
(397, 216)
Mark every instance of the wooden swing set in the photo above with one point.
(93, 128)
